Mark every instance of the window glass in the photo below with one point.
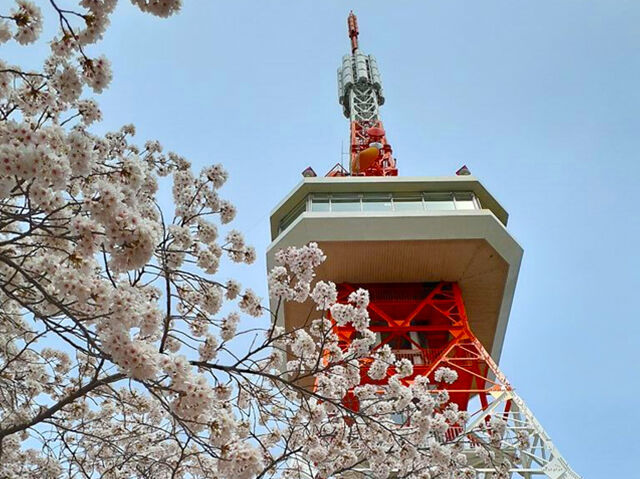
(465, 205)
(319, 203)
(464, 201)
(408, 203)
(376, 203)
(297, 211)
(439, 201)
(345, 203)
(354, 202)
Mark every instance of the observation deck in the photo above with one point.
(406, 230)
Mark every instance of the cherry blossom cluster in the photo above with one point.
(446, 375)
(291, 278)
(83, 249)
(124, 352)
(26, 18)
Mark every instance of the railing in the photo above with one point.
(418, 357)
(414, 355)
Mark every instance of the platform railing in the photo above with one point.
(419, 357)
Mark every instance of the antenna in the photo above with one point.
(360, 94)
(352, 24)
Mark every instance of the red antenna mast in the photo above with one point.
(352, 23)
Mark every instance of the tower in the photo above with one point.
(439, 264)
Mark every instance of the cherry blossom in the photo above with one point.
(446, 375)
(123, 353)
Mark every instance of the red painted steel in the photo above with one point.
(352, 25)
(427, 324)
(361, 139)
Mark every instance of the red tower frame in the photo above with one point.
(427, 324)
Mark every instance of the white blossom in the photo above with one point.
(28, 20)
(68, 84)
(324, 294)
(89, 111)
(446, 375)
(97, 73)
(233, 289)
(5, 31)
(161, 8)
(250, 303)
(241, 461)
(404, 368)
(229, 326)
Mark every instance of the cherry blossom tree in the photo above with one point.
(122, 354)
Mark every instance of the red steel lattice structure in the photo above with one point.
(427, 324)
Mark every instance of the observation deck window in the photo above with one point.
(382, 202)
(345, 203)
(439, 201)
(293, 214)
(408, 203)
(320, 203)
(465, 201)
(377, 203)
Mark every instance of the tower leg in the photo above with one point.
(523, 450)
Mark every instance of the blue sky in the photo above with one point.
(540, 99)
